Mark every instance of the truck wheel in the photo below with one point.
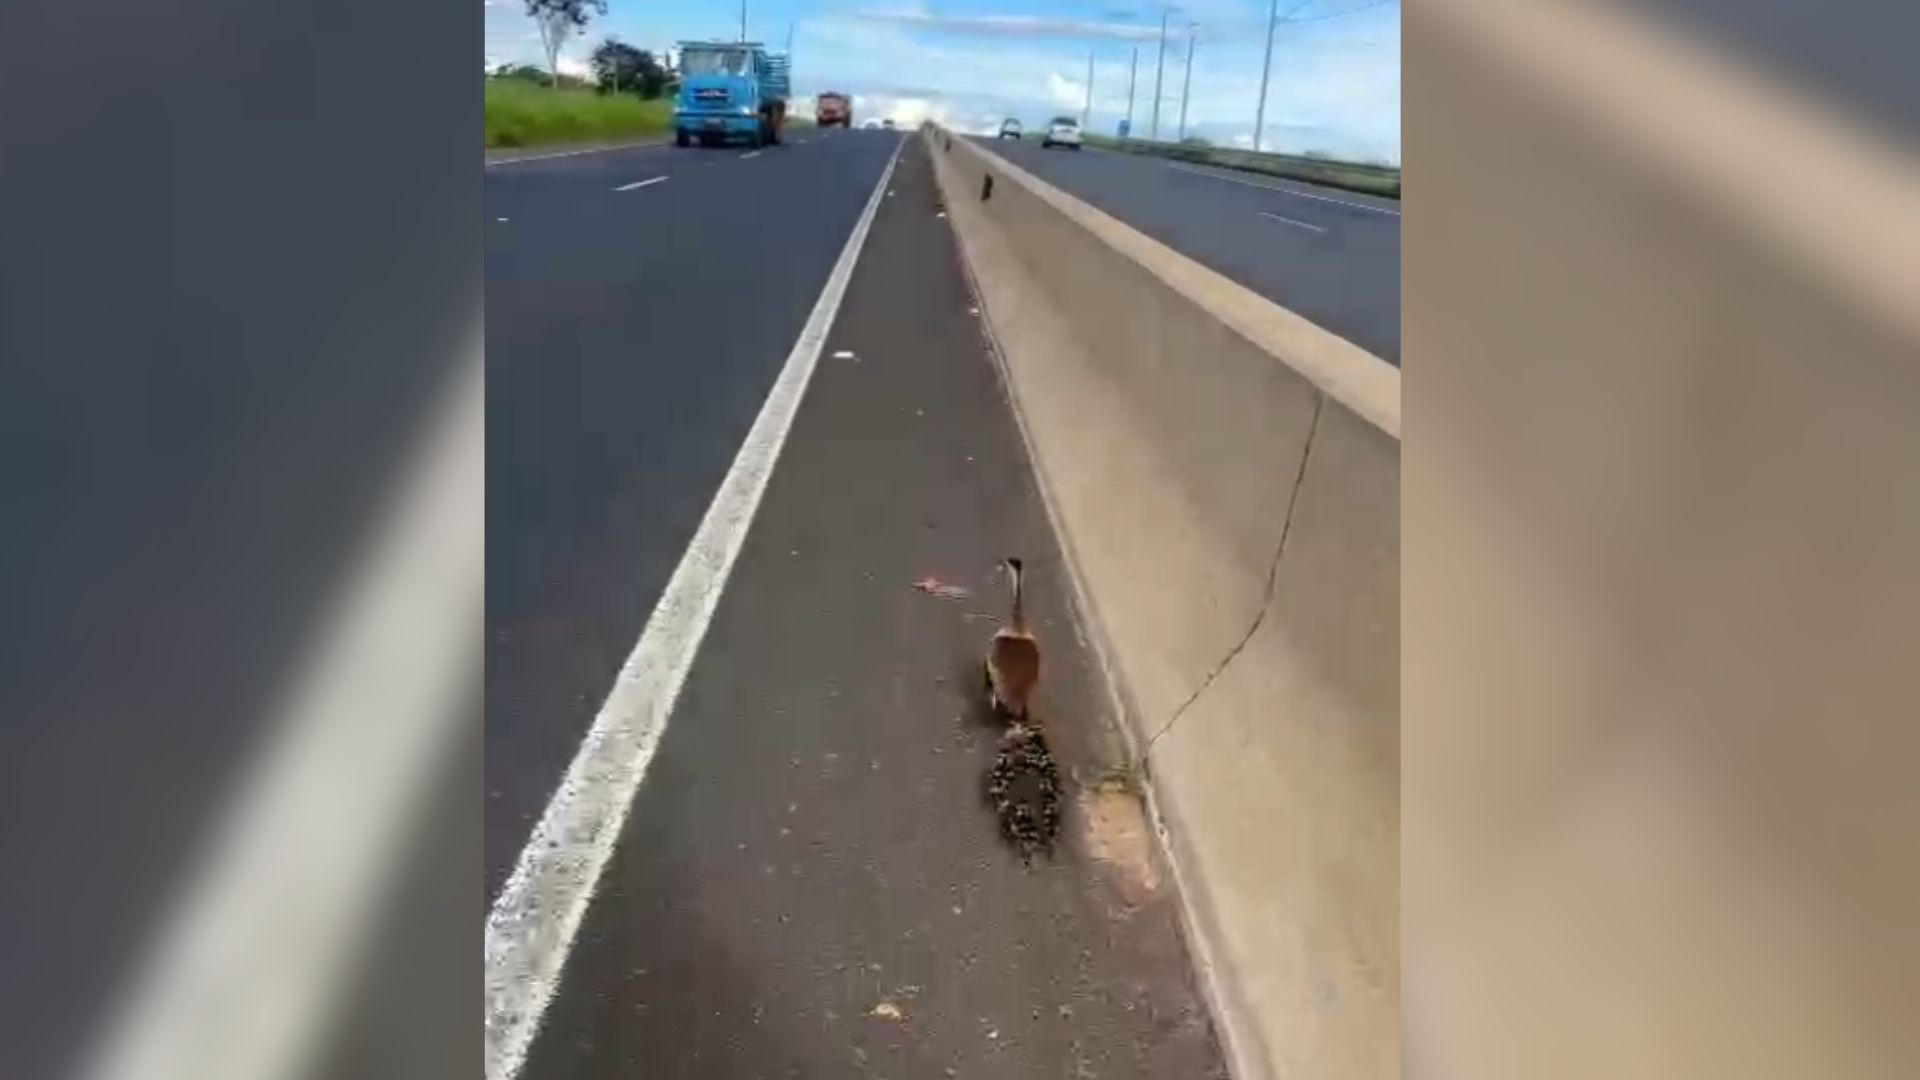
(680, 137)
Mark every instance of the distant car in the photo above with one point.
(871, 125)
(1061, 131)
(887, 123)
(1010, 128)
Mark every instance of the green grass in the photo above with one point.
(521, 113)
(1381, 180)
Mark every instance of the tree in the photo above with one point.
(616, 65)
(653, 76)
(619, 67)
(559, 18)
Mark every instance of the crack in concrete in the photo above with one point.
(1273, 580)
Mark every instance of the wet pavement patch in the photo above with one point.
(1118, 837)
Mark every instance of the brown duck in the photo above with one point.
(1013, 657)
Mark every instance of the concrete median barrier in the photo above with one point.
(1225, 479)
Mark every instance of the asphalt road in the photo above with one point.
(1329, 255)
(631, 337)
(809, 883)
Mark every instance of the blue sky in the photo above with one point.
(968, 63)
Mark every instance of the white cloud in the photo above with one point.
(1335, 84)
(909, 111)
(1018, 25)
(1212, 20)
(1064, 92)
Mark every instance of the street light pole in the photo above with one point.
(1266, 67)
(743, 20)
(1187, 89)
(1159, 67)
(1133, 73)
(1086, 111)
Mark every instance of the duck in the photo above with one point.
(1013, 656)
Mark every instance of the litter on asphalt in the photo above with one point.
(935, 587)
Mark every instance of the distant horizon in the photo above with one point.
(1335, 84)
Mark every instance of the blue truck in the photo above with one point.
(730, 91)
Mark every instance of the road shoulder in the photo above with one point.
(811, 882)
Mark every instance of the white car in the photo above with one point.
(1063, 131)
(1010, 128)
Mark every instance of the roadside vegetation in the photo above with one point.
(628, 95)
(1365, 178)
(521, 113)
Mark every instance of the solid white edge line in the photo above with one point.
(1281, 190)
(575, 153)
(531, 926)
(1290, 221)
(639, 184)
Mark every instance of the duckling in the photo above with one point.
(1023, 786)
(1013, 657)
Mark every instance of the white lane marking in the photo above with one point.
(531, 926)
(1284, 190)
(1291, 221)
(293, 874)
(574, 153)
(639, 184)
(750, 155)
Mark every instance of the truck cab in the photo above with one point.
(832, 107)
(731, 90)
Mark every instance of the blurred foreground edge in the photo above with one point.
(281, 916)
(1661, 519)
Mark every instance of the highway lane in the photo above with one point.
(631, 337)
(1330, 255)
(809, 883)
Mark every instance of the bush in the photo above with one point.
(519, 113)
(535, 75)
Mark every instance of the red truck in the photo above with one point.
(833, 108)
